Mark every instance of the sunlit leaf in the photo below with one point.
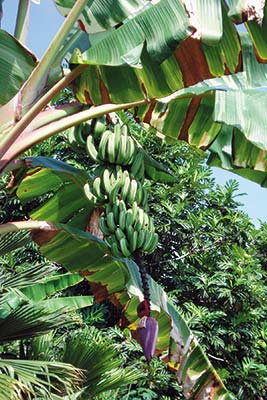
(16, 64)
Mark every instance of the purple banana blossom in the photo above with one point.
(147, 331)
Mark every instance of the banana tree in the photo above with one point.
(171, 66)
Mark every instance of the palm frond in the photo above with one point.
(27, 277)
(13, 240)
(31, 379)
(10, 388)
(95, 353)
(27, 319)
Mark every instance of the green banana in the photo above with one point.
(90, 148)
(121, 156)
(151, 226)
(102, 153)
(139, 195)
(90, 196)
(78, 134)
(111, 222)
(130, 151)
(115, 250)
(103, 226)
(117, 138)
(129, 217)
(99, 129)
(148, 239)
(132, 192)
(138, 225)
(141, 238)
(133, 241)
(134, 211)
(119, 234)
(124, 247)
(124, 129)
(115, 210)
(125, 189)
(146, 221)
(126, 225)
(111, 149)
(118, 173)
(106, 180)
(122, 219)
(129, 231)
(72, 141)
(97, 189)
(122, 205)
(151, 242)
(113, 193)
(109, 208)
(108, 241)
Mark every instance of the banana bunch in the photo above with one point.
(118, 187)
(127, 229)
(78, 134)
(116, 147)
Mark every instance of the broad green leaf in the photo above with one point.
(254, 14)
(70, 303)
(101, 15)
(248, 158)
(16, 64)
(62, 187)
(51, 285)
(165, 67)
(223, 114)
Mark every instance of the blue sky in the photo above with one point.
(44, 23)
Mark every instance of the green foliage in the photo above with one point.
(212, 261)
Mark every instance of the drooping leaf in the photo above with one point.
(165, 67)
(50, 285)
(254, 15)
(102, 15)
(70, 303)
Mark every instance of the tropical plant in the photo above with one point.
(144, 65)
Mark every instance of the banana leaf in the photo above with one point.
(202, 113)
(50, 285)
(16, 64)
(60, 189)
